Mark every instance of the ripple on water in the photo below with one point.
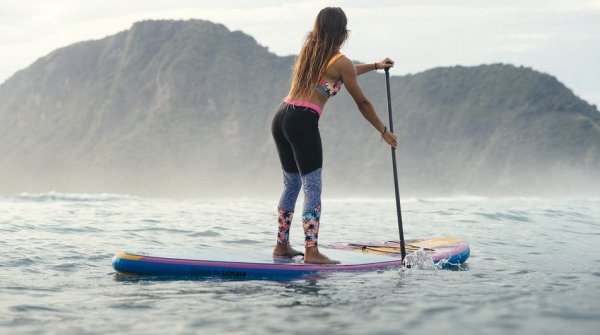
(245, 241)
(571, 315)
(8, 227)
(520, 272)
(130, 306)
(209, 233)
(66, 267)
(20, 289)
(32, 308)
(438, 309)
(74, 230)
(158, 229)
(151, 221)
(504, 217)
(19, 261)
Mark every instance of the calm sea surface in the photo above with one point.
(534, 268)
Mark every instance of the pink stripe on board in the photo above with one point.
(298, 267)
(307, 104)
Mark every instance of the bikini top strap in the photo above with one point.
(333, 59)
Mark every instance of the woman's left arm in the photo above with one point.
(364, 68)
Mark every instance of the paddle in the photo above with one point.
(394, 167)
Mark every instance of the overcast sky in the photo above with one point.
(559, 37)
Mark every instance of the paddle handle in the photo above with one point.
(395, 168)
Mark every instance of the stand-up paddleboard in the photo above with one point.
(252, 264)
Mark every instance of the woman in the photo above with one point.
(319, 72)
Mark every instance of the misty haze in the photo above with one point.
(183, 108)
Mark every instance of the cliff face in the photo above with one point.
(183, 108)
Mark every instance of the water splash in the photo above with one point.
(420, 260)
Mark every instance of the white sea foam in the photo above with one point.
(76, 197)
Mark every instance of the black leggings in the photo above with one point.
(296, 133)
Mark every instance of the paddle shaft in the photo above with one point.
(394, 167)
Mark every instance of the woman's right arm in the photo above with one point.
(350, 78)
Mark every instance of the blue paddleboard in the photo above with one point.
(236, 263)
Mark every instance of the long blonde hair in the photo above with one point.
(328, 35)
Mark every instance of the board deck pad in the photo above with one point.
(244, 263)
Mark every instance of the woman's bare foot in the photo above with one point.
(313, 256)
(285, 250)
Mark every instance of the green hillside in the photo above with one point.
(183, 108)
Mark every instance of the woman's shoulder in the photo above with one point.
(343, 60)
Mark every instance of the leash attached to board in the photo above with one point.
(394, 167)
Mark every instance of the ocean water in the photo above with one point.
(534, 268)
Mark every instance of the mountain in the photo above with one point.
(183, 108)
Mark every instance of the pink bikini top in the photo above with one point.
(326, 88)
